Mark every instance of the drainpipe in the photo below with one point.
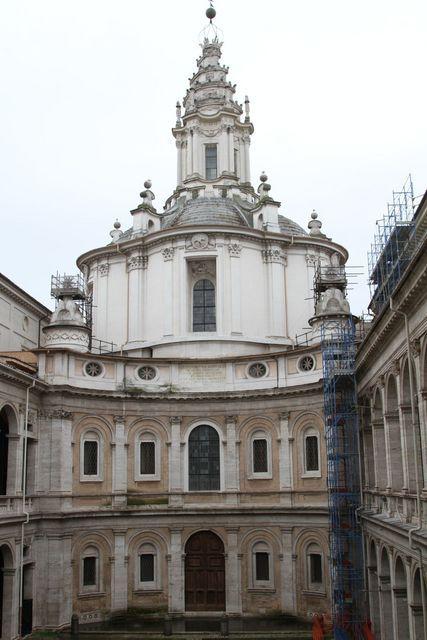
(417, 472)
(24, 511)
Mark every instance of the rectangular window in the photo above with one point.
(316, 576)
(89, 571)
(262, 567)
(211, 153)
(312, 453)
(90, 458)
(260, 461)
(146, 567)
(148, 458)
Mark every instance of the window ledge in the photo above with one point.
(151, 591)
(91, 594)
(261, 590)
(312, 474)
(318, 594)
(260, 476)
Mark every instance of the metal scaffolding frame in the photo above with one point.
(393, 246)
(342, 443)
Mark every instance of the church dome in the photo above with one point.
(205, 211)
(290, 227)
(220, 211)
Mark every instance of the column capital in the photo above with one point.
(231, 419)
(285, 415)
(119, 420)
(175, 420)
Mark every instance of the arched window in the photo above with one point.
(4, 451)
(262, 566)
(315, 579)
(91, 457)
(260, 455)
(204, 460)
(204, 315)
(90, 570)
(147, 459)
(311, 453)
(148, 570)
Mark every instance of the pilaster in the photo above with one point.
(287, 573)
(233, 596)
(175, 472)
(119, 578)
(285, 454)
(232, 463)
(176, 573)
(119, 461)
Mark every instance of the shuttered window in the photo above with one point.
(262, 566)
(312, 453)
(89, 571)
(316, 576)
(147, 458)
(146, 567)
(90, 458)
(260, 455)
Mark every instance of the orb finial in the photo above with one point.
(211, 12)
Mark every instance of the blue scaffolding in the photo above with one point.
(393, 246)
(342, 442)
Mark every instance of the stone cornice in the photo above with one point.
(19, 377)
(281, 392)
(166, 235)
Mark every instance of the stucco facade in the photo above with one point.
(394, 441)
(199, 438)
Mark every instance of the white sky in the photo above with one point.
(87, 100)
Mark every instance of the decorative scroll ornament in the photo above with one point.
(168, 254)
(234, 249)
(199, 242)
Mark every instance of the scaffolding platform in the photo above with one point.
(342, 444)
(393, 245)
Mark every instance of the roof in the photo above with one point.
(25, 298)
(202, 211)
(290, 227)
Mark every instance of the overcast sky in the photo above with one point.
(87, 101)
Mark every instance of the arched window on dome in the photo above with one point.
(204, 306)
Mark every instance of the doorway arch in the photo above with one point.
(204, 572)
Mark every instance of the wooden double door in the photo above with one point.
(204, 573)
